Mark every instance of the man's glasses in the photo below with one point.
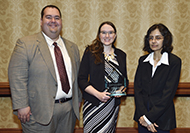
(51, 17)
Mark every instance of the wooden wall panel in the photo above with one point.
(183, 89)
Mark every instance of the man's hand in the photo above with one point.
(24, 114)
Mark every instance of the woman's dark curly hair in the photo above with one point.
(97, 46)
(167, 42)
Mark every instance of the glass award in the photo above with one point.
(117, 89)
(112, 76)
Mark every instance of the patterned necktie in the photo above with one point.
(61, 69)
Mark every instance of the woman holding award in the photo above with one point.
(102, 72)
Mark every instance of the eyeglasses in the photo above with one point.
(110, 33)
(157, 38)
(51, 17)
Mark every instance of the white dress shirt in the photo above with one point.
(60, 93)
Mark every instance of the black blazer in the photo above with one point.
(157, 92)
(96, 74)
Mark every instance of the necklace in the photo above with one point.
(109, 56)
(157, 56)
(157, 59)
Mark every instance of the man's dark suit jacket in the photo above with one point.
(97, 73)
(156, 93)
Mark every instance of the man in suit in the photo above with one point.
(34, 77)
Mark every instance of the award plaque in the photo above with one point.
(115, 82)
(117, 89)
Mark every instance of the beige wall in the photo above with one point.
(81, 19)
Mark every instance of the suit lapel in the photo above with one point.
(43, 47)
(161, 70)
(148, 69)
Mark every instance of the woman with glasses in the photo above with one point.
(156, 81)
(102, 64)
